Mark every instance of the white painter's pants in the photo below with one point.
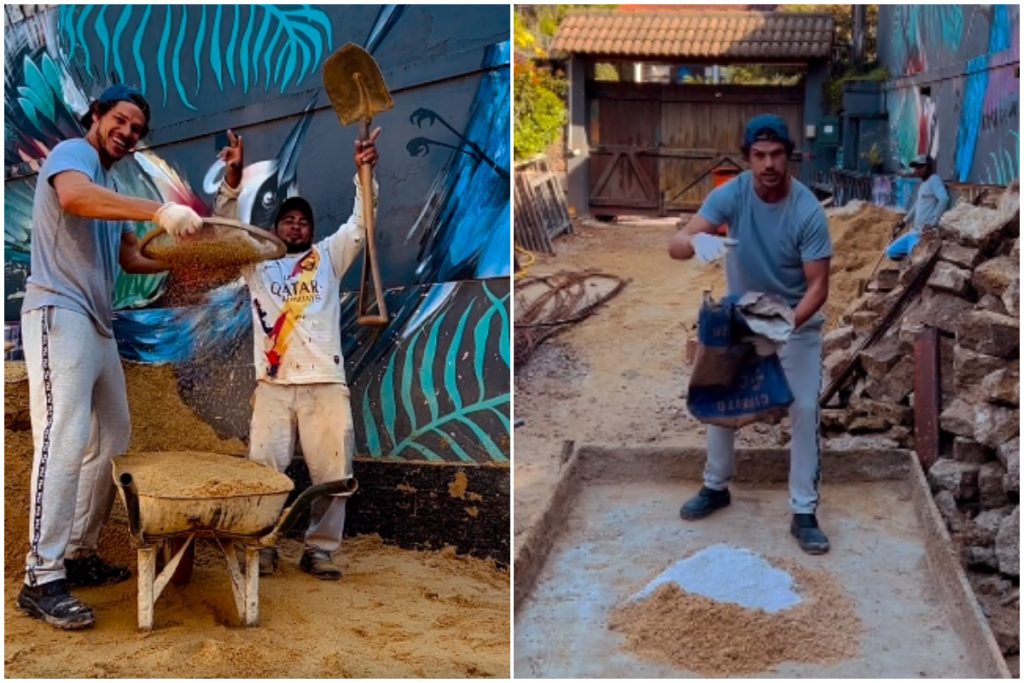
(80, 420)
(322, 415)
(801, 362)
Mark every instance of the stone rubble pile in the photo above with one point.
(972, 297)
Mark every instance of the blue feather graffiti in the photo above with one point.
(433, 384)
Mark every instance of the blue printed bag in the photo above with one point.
(731, 385)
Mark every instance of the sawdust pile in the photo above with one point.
(160, 421)
(395, 614)
(193, 474)
(716, 639)
(860, 233)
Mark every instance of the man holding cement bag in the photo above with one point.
(300, 372)
(79, 404)
(778, 244)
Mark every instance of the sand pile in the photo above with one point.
(860, 232)
(160, 422)
(191, 474)
(714, 638)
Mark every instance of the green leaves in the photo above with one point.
(247, 45)
(432, 400)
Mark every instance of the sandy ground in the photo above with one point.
(395, 614)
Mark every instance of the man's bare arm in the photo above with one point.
(132, 260)
(81, 197)
(681, 245)
(816, 273)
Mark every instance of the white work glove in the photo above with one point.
(177, 220)
(710, 248)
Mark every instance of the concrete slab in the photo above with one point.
(622, 528)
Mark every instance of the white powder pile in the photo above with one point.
(728, 574)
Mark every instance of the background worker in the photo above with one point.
(931, 202)
(778, 244)
(79, 404)
(300, 372)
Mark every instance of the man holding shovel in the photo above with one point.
(300, 373)
(79, 404)
(779, 244)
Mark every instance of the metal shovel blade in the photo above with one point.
(355, 86)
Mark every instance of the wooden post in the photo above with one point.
(927, 396)
(147, 573)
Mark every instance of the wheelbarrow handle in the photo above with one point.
(340, 487)
(131, 503)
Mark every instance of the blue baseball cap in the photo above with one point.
(119, 93)
(766, 127)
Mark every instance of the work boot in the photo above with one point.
(704, 503)
(268, 561)
(92, 571)
(52, 603)
(319, 563)
(805, 529)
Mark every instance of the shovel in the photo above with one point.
(357, 92)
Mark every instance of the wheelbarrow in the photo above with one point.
(167, 526)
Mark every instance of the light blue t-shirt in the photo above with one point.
(775, 240)
(74, 259)
(932, 201)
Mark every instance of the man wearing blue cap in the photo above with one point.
(779, 244)
(932, 200)
(79, 404)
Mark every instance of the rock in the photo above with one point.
(969, 450)
(941, 310)
(859, 442)
(891, 413)
(1011, 298)
(838, 339)
(982, 530)
(1008, 544)
(929, 244)
(995, 425)
(946, 504)
(879, 359)
(995, 275)
(1011, 481)
(1007, 449)
(979, 557)
(1003, 386)
(872, 424)
(902, 435)
(959, 255)
(959, 478)
(991, 585)
(894, 386)
(833, 363)
(958, 418)
(1015, 249)
(970, 369)
(863, 321)
(886, 280)
(949, 278)
(990, 302)
(835, 419)
(1004, 621)
(975, 226)
(990, 486)
(1009, 200)
(989, 333)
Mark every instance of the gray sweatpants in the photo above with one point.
(801, 361)
(80, 420)
(322, 415)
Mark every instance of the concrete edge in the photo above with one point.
(540, 537)
(969, 620)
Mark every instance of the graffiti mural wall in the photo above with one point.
(433, 385)
(955, 93)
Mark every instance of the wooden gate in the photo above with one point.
(653, 147)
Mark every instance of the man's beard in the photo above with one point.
(293, 248)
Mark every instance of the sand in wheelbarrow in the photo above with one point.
(197, 266)
(727, 611)
(194, 474)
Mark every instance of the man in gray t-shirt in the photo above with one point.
(931, 202)
(79, 405)
(778, 243)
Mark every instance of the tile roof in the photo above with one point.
(737, 36)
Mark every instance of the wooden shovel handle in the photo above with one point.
(370, 262)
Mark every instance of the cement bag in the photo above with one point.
(731, 384)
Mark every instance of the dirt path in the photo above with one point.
(619, 376)
(395, 614)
